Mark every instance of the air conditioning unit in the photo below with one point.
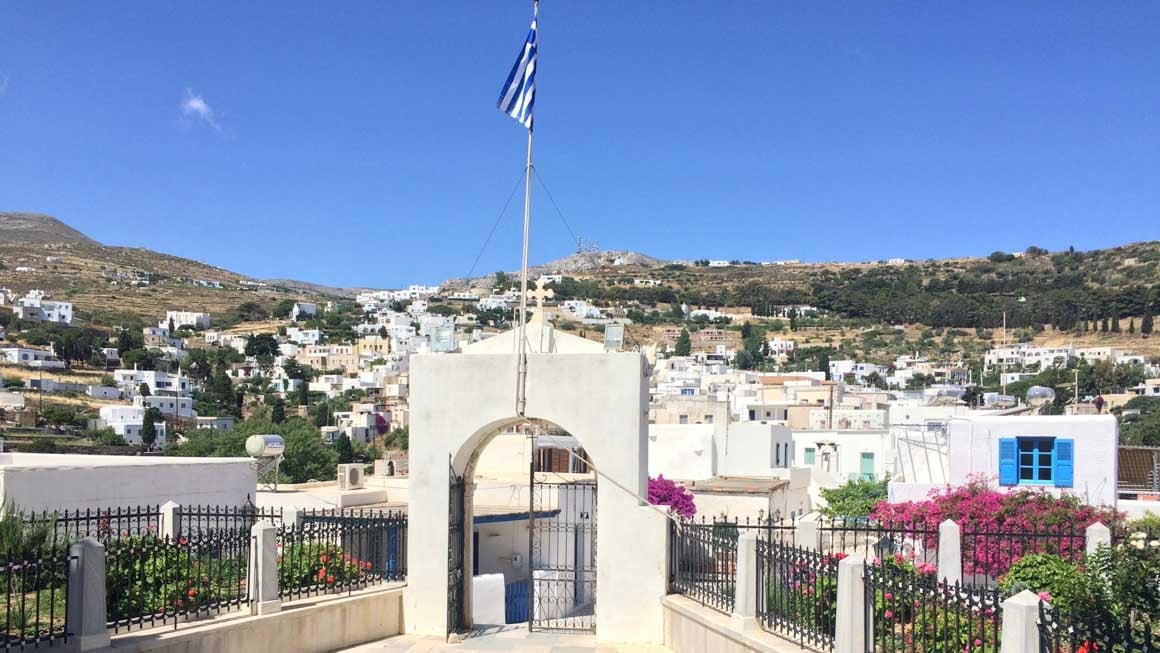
(350, 477)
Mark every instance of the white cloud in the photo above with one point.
(194, 107)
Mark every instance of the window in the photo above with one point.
(867, 466)
(708, 419)
(688, 392)
(810, 455)
(1036, 460)
(683, 419)
(777, 453)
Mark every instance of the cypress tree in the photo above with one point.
(1115, 324)
(1146, 323)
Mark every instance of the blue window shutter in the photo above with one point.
(1008, 461)
(1064, 459)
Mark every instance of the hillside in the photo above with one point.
(38, 228)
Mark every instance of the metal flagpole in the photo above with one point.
(522, 362)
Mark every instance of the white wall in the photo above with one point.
(681, 451)
(850, 446)
(974, 449)
(601, 399)
(62, 481)
(747, 449)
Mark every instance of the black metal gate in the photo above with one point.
(562, 546)
(455, 576)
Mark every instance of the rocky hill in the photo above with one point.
(38, 228)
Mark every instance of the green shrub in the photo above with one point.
(312, 564)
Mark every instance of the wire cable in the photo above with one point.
(498, 218)
(575, 240)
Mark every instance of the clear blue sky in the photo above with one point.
(358, 143)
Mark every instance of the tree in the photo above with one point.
(278, 411)
(283, 309)
(1104, 325)
(344, 448)
(854, 499)
(143, 390)
(1146, 323)
(684, 345)
(1131, 326)
(1115, 324)
(251, 312)
(262, 344)
(502, 281)
(149, 426)
(399, 438)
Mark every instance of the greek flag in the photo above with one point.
(519, 91)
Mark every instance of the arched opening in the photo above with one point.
(526, 545)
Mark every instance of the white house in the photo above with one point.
(1056, 453)
(159, 382)
(126, 421)
(35, 308)
(28, 357)
(192, 319)
(840, 456)
(303, 310)
(169, 405)
(718, 264)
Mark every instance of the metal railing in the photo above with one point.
(797, 594)
(874, 540)
(104, 524)
(909, 611)
(987, 554)
(151, 581)
(703, 563)
(341, 552)
(35, 603)
(205, 519)
(1077, 632)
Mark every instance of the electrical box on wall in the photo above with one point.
(517, 560)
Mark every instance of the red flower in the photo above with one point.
(192, 593)
(330, 579)
(323, 558)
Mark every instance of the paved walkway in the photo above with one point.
(510, 638)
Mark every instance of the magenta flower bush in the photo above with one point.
(999, 528)
(663, 492)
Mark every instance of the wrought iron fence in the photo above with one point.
(908, 610)
(35, 586)
(104, 524)
(1078, 632)
(850, 535)
(340, 552)
(987, 554)
(151, 581)
(797, 593)
(704, 562)
(193, 520)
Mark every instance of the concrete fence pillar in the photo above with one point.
(85, 612)
(1020, 623)
(745, 587)
(850, 629)
(264, 568)
(1098, 535)
(950, 552)
(293, 518)
(807, 531)
(171, 520)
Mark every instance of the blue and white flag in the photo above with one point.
(519, 91)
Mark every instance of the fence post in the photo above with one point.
(850, 629)
(264, 568)
(85, 614)
(807, 531)
(1020, 623)
(170, 524)
(293, 518)
(745, 585)
(1098, 535)
(950, 555)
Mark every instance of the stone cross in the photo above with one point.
(540, 294)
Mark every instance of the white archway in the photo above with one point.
(459, 401)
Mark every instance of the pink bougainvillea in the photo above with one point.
(999, 527)
(663, 492)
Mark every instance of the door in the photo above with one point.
(867, 466)
(562, 560)
(455, 576)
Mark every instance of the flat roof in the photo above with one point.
(735, 484)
